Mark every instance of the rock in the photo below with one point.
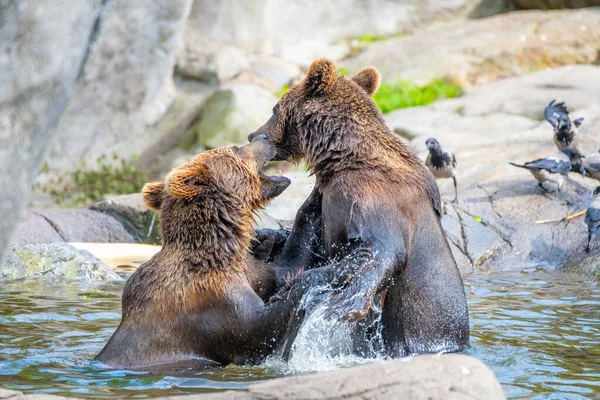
(78, 225)
(449, 376)
(231, 114)
(127, 85)
(553, 4)
(301, 32)
(503, 121)
(131, 211)
(56, 261)
(496, 225)
(40, 63)
(172, 131)
(35, 229)
(469, 53)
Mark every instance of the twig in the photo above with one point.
(567, 218)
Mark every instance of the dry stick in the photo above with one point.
(567, 218)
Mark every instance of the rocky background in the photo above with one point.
(129, 89)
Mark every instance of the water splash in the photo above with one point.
(324, 345)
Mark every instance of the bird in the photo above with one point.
(441, 164)
(589, 166)
(565, 131)
(553, 168)
(592, 220)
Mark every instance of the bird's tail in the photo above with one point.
(519, 165)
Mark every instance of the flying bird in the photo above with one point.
(553, 168)
(565, 131)
(441, 164)
(592, 220)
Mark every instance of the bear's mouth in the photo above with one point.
(272, 185)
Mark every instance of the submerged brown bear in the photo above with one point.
(375, 192)
(196, 300)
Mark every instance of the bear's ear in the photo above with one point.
(186, 183)
(153, 194)
(320, 77)
(369, 79)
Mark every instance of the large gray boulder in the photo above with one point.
(226, 38)
(56, 261)
(470, 53)
(40, 63)
(127, 84)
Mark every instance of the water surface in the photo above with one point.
(539, 331)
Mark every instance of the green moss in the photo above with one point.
(404, 94)
(343, 71)
(371, 38)
(84, 185)
(282, 91)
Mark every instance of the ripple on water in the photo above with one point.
(538, 331)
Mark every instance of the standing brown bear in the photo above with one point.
(196, 300)
(375, 192)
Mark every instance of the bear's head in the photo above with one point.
(219, 188)
(323, 102)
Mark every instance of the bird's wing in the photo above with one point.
(555, 166)
(556, 112)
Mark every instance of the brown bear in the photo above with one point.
(375, 192)
(196, 300)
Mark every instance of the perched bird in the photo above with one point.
(565, 132)
(592, 220)
(441, 164)
(554, 168)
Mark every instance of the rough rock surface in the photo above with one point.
(131, 211)
(231, 113)
(40, 63)
(35, 229)
(127, 84)
(227, 37)
(431, 377)
(472, 53)
(503, 121)
(553, 4)
(86, 226)
(57, 261)
(494, 226)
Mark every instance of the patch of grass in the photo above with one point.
(84, 185)
(404, 94)
(282, 91)
(372, 38)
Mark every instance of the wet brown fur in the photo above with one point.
(194, 300)
(376, 191)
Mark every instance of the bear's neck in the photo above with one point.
(331, 150)
(214, 237)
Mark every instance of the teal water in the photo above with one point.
(539, 331)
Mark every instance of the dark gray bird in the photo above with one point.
(592, 220)
(589, 166)
(565, 131)
(441, 164)
(554, 168)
